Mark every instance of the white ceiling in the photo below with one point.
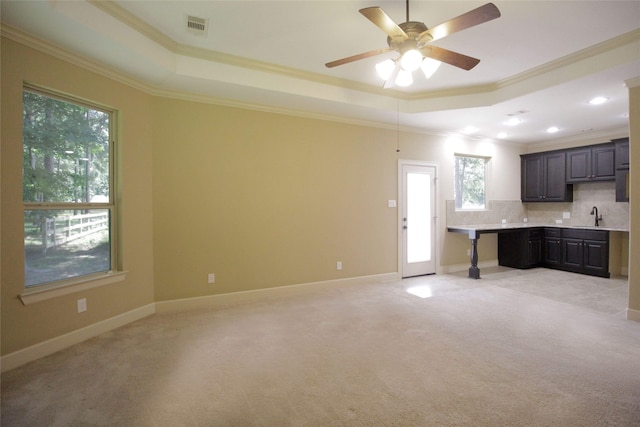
(541, 60)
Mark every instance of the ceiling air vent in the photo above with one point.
(196, 25)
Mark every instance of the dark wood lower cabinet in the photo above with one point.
(586, 251)
(572, 254)
(552, 250)
(575, 250)
(520, 248)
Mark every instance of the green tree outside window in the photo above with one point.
(470, 182)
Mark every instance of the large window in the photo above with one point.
(67, 184)
(470, 182)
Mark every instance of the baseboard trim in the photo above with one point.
(633, 314)
(456, 268)
(45, 348)
(233, 298)
(37, 351)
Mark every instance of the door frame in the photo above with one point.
(436, 224)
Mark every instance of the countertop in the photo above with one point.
(493, 228)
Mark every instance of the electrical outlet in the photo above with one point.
(339, 265)
(211, 278)
(82, 305)
(468, 252)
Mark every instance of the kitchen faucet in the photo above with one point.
(594, 211)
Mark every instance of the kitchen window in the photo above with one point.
(67, 186)
(470, 181)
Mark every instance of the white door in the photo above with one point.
(417, 219)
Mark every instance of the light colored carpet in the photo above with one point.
(475, 353)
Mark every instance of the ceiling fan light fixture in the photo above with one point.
(411, 60)
(404, 78)
(385, 68)
(429, 66)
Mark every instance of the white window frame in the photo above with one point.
(61, 287)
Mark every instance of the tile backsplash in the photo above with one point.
(497, 210)
(585, 196)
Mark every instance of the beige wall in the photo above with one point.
(259, 199)
(26, 325)
(265, 200)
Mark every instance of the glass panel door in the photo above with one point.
(418, 220)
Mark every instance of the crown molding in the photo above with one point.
(63, 54)
(585, 138)
(127, 18)
(635, 82)
(105, 71)
(519, 82)
(566, 61)
(523, 82)
(176, 48)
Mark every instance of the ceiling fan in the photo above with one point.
(413, 41)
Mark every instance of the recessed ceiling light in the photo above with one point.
(598, 100)
(512, 121)
(469, 130)
(502, 135)
(553, 129)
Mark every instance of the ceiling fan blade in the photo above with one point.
(449, 57)
(357, 57)
(467, 20)
(382, 21)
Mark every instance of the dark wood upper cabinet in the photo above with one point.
(549, 176)
(544, 178)
(622, 169)
(622, 153)
(593, 163)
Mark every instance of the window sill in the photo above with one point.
(46, 292)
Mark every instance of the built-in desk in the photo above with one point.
(474, 232)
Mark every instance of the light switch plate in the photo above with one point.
(391, 203)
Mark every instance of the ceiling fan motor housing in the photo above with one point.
(412, 29)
